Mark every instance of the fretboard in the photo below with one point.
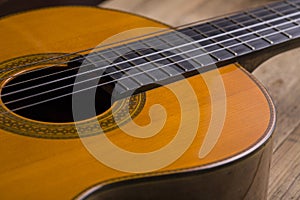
(159, 60)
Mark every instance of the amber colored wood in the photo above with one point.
(52, 169)
(281, 82)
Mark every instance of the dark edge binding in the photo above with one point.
(264, 146)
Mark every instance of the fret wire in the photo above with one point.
(272, 4)
(124, 71)
(252, 31)
(165, 57)
(228, 49)
(194, 45)
(108, 61)
(150, 47)
(248, 45)
(214, 56)
(222, 30)
(90, 61)
(251, 40)
(280, 14)
(298, 8)
(90, 88)
(132, 63)
(146, 72)
(270, 34)
(229, 17)
(140, 54)
(214, 40)
(261, 20)
(107, 45)
(103, 57)
(249, 14)
(292, 4)
(171, 59)
(140, 83)
(270, 25)
(174, 61)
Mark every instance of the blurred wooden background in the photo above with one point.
(280, 75)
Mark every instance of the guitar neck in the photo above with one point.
(258, 33)
(261, 33)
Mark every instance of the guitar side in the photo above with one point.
(63, 168)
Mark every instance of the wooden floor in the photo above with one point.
(280, 75)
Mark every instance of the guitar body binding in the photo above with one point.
(47, 159)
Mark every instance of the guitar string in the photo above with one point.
(163, 58)
(106, 83)
(143, 63)
(79, 82)
(105, 45)
(116, 57)
(133, 38)
(96, 69)
(69, 69)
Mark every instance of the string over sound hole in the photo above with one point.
(39, 96)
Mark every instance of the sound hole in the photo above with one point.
(21, 96)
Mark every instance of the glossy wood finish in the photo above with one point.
(196, 184)
(280, 75)
(64, 168)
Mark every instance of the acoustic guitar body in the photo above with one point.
(45, 159)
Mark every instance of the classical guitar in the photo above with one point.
(101, 104)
